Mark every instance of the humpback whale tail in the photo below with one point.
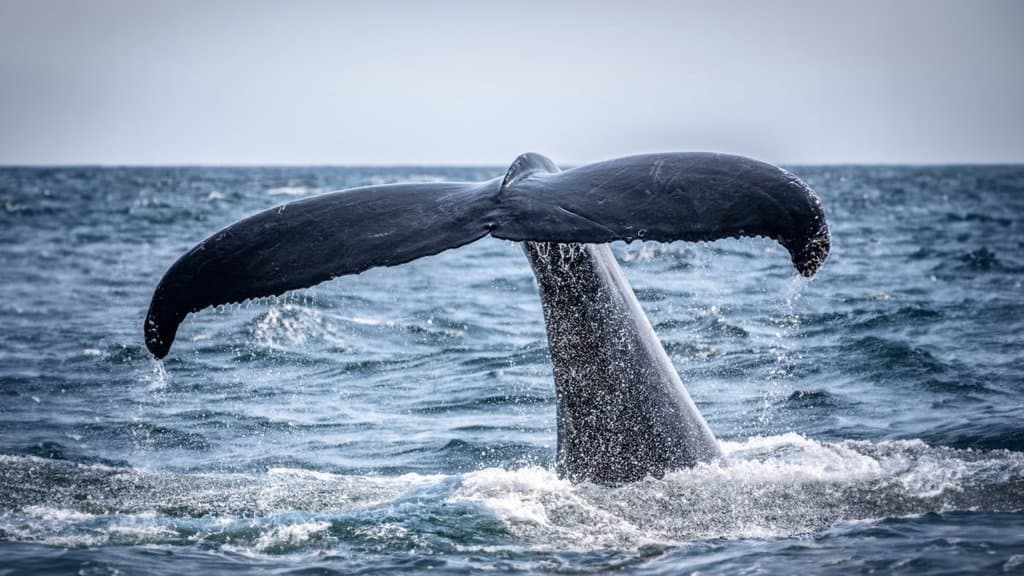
(665, 197)
(623, 413)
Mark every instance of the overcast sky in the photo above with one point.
(818, 81)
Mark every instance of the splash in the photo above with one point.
(772, 487)
(287, 326)
(783, 355)
(157, 379)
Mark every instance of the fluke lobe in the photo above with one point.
(623, 412)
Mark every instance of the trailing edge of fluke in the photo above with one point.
(664, 197)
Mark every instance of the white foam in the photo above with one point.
(512, 495)
(366, 321)
(50, 514)
(1013, 563)
(290, 534)
(139, 532)
(770, 486)
(303, 473)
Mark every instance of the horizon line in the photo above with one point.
(106, 165)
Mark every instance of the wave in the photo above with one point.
(770, 487)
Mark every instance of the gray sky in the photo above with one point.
(137, 82)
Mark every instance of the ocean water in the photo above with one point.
(403, 420)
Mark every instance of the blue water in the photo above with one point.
(403, 419)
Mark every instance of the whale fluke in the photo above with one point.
(303, 243)
(665, 197)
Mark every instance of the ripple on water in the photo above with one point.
(274, 438)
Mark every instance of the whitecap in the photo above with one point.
(290, 534)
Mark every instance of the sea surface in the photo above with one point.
(403, 420)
